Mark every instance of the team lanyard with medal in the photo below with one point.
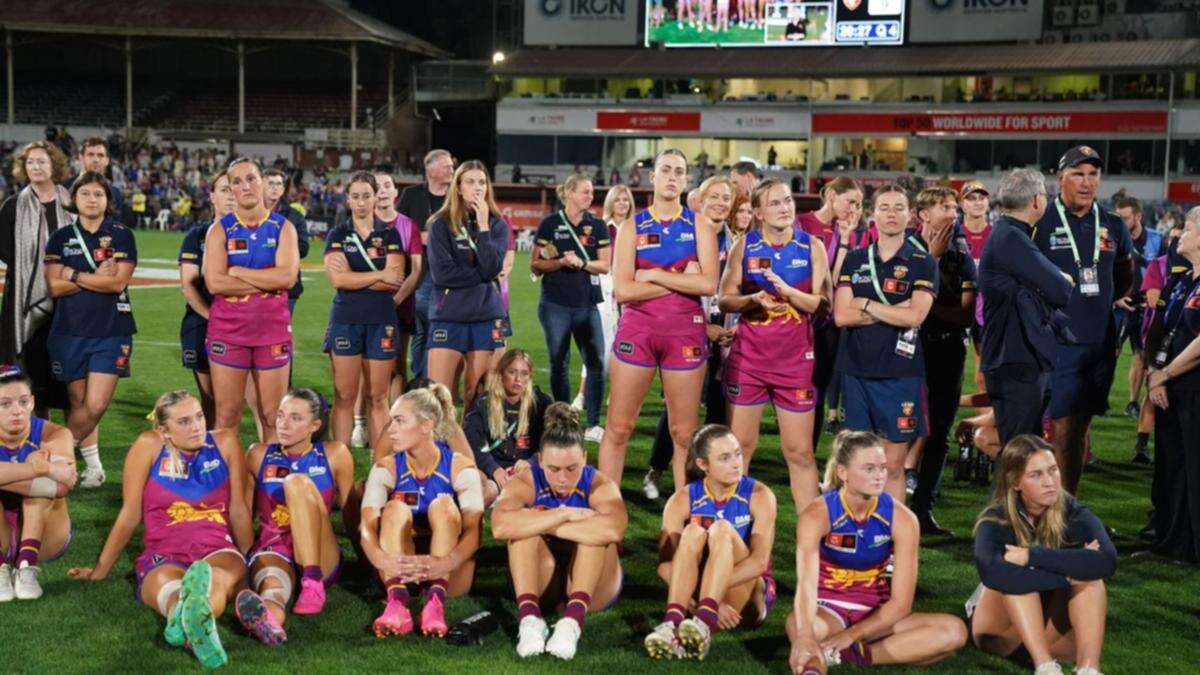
(562, 215)
(1089, 277)
(1177, 299)
(906, 341)
(123, 305)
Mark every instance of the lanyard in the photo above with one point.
(875, 276)
(466, 234)
(500, 441)
(1177, 301)
(1062, 214)
(571, 230)
(84, 245)
(912, 239)
(362, 250)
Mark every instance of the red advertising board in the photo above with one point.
(649, 120)
(1183, 191)
(1026, 123)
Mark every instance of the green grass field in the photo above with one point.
(78, 627)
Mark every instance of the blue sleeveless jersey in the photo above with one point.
(670, 244)
(277, 465)
(32, 443)
(420, 493)
(733, 507)
(546, 498)
(854, 555)
(792, 262)
(252, 247)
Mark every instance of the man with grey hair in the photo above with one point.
(418, 202)
(1023, 292)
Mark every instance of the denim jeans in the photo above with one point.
(560, 323)
(417, 345)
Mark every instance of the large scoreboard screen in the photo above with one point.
(774, 23)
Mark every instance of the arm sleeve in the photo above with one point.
(1024, 260)
(928, 279)
(545, 232)
(189, 250)
(415, 247)
(335, 240)
(1005, 577)
(300, 222)
(443, 267)
(475, 427)
(969, 273)
(54, 245)
(391, 241)
(126, 249)
(1080, 563)
(489, 260)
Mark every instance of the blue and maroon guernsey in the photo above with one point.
(734, 507)
(854, 554)
(546, 498)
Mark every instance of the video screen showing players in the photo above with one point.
(774, 23)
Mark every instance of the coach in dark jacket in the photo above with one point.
(1023, 293)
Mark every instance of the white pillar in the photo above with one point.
(241, 50)
(391, 84)
(128, 86)
(353, 86)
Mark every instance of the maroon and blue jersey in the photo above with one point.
(546, 498)
(779, 341)
(255, 319)
(187, 506)
(670, 245)
(419, 493)
(18, 455)
(734, 507)
(854, 554)
(269, 500)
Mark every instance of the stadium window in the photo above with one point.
(1185, 157)
(579, 150)
(1013, 154)
(528, 150)
(1130, 158)
(972, 156)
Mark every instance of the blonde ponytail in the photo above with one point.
(845, 445)
(160, 415)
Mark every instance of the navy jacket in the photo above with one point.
(464, 271)
(1023, 294)
(1048, 568)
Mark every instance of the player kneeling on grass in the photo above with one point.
(187, 487)
(37, 470)
(1042, 559)
(297, 482)
(716, 540)
(847, 609)
(421, 513)
(562, 520)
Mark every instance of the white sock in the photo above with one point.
(360, 420)
(91, 456)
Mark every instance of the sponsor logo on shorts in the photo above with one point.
(281, 350)
(906, 423)
(625, 347)
(691, 352)
(125, 349)
(122, 362)
(440, 335)
(389, 330)
(907, 408)
(697, 318)
(341, 343)
(386, 343)
(189, 356)
(56, 368)
(733, 389)
(217, 348)
(809, 356)
(804, 395)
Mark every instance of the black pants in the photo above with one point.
(713, 398)
(1177, 476)
(1018, 395)
(825, 347)
(944, 358)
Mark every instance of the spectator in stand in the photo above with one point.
(27, 219)
(419, 202)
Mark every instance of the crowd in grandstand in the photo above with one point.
(864, 307)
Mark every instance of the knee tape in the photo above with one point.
(164, 594)
(279, 595)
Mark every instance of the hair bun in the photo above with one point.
(560, 415)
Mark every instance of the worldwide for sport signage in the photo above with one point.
(581, 22)
(992, 123)
(774, 23)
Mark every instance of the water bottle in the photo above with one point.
(962, 467)
(473, 629)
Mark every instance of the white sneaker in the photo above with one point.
(25, 583)
(1087, 670)
(565, 639)
(358, 437)
(594, 434)
(577, 403)
(1048, 668)
(531, 636)
(662, 644)
(92, 477)
(7, 593)
(650, 485)
(695, 638)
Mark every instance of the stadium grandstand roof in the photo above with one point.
(322, 20)
(1151, 55)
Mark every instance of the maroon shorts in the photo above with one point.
(793, 392)
(846, 615)
(181, 557)
(684, 349)
(261, 357)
